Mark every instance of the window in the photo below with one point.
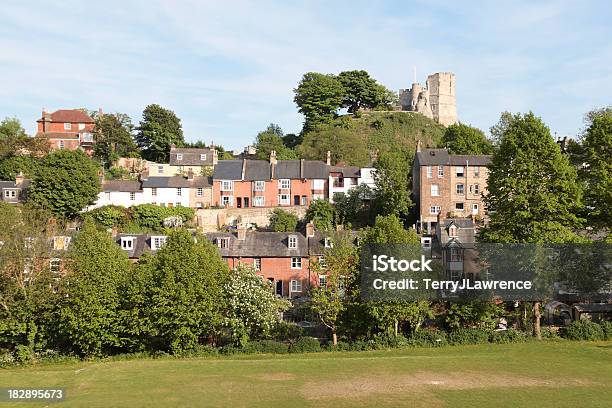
(474, 208)
(459, 171)
(296, 286)
(227, 201)
(259, 185)
(292, 242)
(426, 242)
(304, 200)
(434, 210)
(440, 171)
(107, 195)
(202, 157)
(154, 191)
(158, 242)
(199, 192)
(284, 184)
(87, 137)
(257, 264)
(322, 262)
(179, 191)
(476, 171)
(127, 243)
(199, 205)
(459, 206)
(455, 253)
(132, 196)
(283, 199)
(178, 204)
(223, 242)
(476, 189)
(67, 126)
(318, 184)
(452, 231)
(435, 190)
(328, 243)
(160, 169)
(323, 281)
(179, 156)
(54, 265)
(227, 185)
(459, 188)
(61, 145)
(258, 201)
(296, 262)
(429, 172)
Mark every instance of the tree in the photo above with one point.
(318, 97)
(66, 183)
(345, 146)
(392, 194)
(362, 91)
(159, 129)
(322, 214)
(14, 140)
(252, 307)
(113, 136)
(354, 206)
(89, 316)
(464, 139)
(291, 140)
(272, 139)
(12, 166)
(532, 195)
(389, 230)
(282, 221)
(596, 174)
(185, 292)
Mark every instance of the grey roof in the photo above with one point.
(466, 232)
(142, 245)
(261, 244)
(314, 169)
(228, 170)
(432, 157)
(11, 184)
(287, 169)
(191, 157)
(346, 171)
(121, 185)
(301, 169)
(166, 182)
(256, 170)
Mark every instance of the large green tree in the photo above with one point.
(14, 140)
(362, 91)
(89, 313)
(318, 97)
(392, 193)
(272, 139)
(14, 165)
(345, 145)
(465, 139)
(113, 136)
(158, 130)
(66, 183)
(322, 214)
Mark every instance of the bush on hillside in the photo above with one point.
(428, 338)
(584, 330)
(305, 345)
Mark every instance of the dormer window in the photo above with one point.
(158, 241)
(452, 231)
(179, 156)
(202, 157)
(328, 243)
(67, 126)
(223, 243)
(127, 243)
(292, 242)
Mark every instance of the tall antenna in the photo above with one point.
(414, 73)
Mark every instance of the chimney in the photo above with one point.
(418, 147)
(100, 113)
(244, 164)
(19, 179)
(273, 157)
(328, 158)
(215, 156)
(241, 231)
(190, 175)
(310, 229)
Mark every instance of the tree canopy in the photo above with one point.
(272, 139)
(282, 221)
(113, 136)
(465, 139)
(158, 130)
(318, 97)
(362, 91)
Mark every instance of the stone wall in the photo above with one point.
(211, 219)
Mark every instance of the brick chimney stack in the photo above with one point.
(215, 156)
(190, 175)
(328, 159)
(273, 157)
(241, 232)
(19, 179)
(310, 229)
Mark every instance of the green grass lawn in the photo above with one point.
(549, 374)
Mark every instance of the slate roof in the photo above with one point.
(346, 171)
(466, 233)
(166, 182)
(301, 169)
(11, 184)
(228, 170)
(261, 170)
(142, 244)
(121, 185)
(69, 115)
(256, 170)
(433, 157)
(191, 157)
(261, 244)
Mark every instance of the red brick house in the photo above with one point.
(68, 129)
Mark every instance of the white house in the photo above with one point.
(125, 193)
(167, 191)
(343, 179)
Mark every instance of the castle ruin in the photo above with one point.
(436, 100)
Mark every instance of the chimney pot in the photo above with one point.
(310, 230)
(328, 159)
(241, 232)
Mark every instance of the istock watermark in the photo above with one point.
(487, 271)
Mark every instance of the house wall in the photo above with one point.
(59, 127)
(468, 198)
(167, 196)
(121, 198)
(205, 199)
(69, 144)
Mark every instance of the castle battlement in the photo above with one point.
(436, 99)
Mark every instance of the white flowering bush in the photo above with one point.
(253, 308)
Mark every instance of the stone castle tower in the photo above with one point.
(436, 100)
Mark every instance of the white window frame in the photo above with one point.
(460, 171)
(81, 126)
(257, 264)
(179, 157)
(318, 184)
(67, 126)
(127, 243)
(322, 261)
(284, 199)
(440, 171)
(259, 201)
(328, 242)
(107, 195)
(296, 262)
(227, 185)
(202, 157)
(199, 192)
(223, 242)
(55, 265)
(429, 172)
(434, 190)
(284, 184)
(132, 196)
(229, 200)
(295, 286)
(475, 208)
(434, 210)
(460, 188)
(259, 185)
(426, 242)
(292, 242)
(158, 241)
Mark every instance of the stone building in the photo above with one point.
(436, 99)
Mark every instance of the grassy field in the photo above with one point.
(549, 374)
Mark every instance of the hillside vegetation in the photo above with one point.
(351, 138)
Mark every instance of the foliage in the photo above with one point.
(265, 346)
(354, 207)
(322, 214)
(473, 314)
(362, 91)
(113, 136)
(345, 145)
(283, 221)
(318, 97)
(607, 329)
(533, 195)
(465, 139)
(508, 336)
(428, 338)
(11, 166)
(88, 315)
(392, 193)
(583, 329)
(158, 130)
(272, 139)
(108, 216)
(305, 345)
(252, 307)
(468, 336)
(152, 216)
(390, 230)
(66, 183)
(15, 141)
(286, 331)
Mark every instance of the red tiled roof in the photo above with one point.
(59, 135)
(70, 116)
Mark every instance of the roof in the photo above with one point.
(68, 115)
(301, 169)
(346, 171)
(261, 170)
(256, 170)
(466, 233)
(228, 170)
(121, 185)
(11, 184)
(261, 244)
(166, 182)
(142, 244)
(191, 157)
(432, 157)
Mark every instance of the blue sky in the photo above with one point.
(229, 68)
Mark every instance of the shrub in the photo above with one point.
(508, 336)
(24, 354)
(428, 338)
(286, 331)
(607, 329)
(109, 216)
(468, 336)
(282, 221)
(305, 345)
(200, 350)
(265, 346)
(152, 216)
(385, 340)
(550, 334)
(584, 330)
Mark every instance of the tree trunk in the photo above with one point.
(396, 327)
(536, 324)
(334, 338)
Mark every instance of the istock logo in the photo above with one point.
(384, 263)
